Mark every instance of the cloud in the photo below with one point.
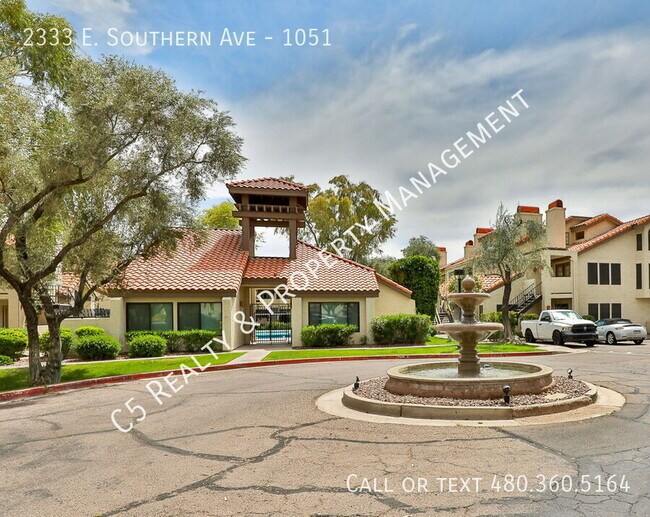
(386, 115)
(99, 14)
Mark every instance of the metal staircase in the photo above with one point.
(526, 299)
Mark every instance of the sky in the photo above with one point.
(401, 81)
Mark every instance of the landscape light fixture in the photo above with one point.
(506, 394)
(356, 385)
(459, 276)
(570, 373)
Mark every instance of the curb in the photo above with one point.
(88, 383)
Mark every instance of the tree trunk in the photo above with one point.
(51, 372)
(31, 322)
(505, 308)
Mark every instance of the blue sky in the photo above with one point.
(403, 80)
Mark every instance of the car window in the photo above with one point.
(566, 316)
(600, 323)
(544, 317)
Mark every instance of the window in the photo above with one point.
(566, 238)
(592, 273)
(603, 311)
(616, 274)
(334, 312)
(203, 315)
(649, 239)
(603, 270)
(639, 241)
(639, 276)
(580, 235)
(592, 309)
(563, 270)
(149, 316)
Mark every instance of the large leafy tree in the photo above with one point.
(513, 248)
(332, 211)
(220, 216)
(98, 167)
(422, 276)
(422, 246)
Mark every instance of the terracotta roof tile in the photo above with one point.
(597, 219)
(528, 209)
(267, 183)
(491, 283)
(622, 228)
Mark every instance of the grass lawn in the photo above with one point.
(485, 348)
(16, 378)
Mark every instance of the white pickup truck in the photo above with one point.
(560, 326)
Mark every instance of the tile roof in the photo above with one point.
(267, 183)
(220, 264)
(622, 228)
(491, 283)
(528, 209)
(216, 264)
(597, 219)
(455, 262)
(344, 275)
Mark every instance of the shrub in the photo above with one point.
(148, 346)
(98, 347)
(528, 316)
(68, 341)
(13, 342)
(327, 334)
(180, 340)
(495, 317)
(588, 317)
(401, 328)
(275, 325)
(422, 276)
(4, 360)
(89, 330)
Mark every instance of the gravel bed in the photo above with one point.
(374, 389)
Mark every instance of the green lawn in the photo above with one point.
(16, 378)
(485, 348)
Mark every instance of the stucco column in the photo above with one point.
(296, 322)
(370, 314)
(228, 324)
(15, 313)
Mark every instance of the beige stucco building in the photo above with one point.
(219, 282)
(596, 265)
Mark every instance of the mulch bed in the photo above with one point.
(374, 389)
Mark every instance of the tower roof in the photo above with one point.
(266, 183)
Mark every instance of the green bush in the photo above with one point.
(401, 328)
(275, 325)
(89, 330)
(422, 276)
(495, 317)
(98, 347)
(4, 360)
(148, 346)
(588, 317)
(327, 335)
(13, 342)
(68, 341)
(528, 316)
(180, 340)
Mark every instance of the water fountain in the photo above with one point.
(467, 378)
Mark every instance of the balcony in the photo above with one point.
(561, 286)
(269, 209)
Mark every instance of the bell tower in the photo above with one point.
(269, 203)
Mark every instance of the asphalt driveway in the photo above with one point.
(252, 442)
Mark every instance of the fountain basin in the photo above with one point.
(441, 379)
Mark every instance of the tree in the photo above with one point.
(422, 246)
(513, 248)
(422, 276)
(97, 170)
(220, 216)
(333, 210)
(381, 263)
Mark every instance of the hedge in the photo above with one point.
(98, 347)
(148, 346)
(68, 341)
(528, 316)
(180, 340)
(327, 335)
(401, 329)
(4, 360)
(89, 330)
(422, 276)
(496, 317)
(13, 342)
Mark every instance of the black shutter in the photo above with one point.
(639, 276)
(592, 273)
(639, 241)
(616, 310)
(616, 274)
(314, 313)
(604, 273)
(593, 310)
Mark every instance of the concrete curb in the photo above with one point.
(88, 383)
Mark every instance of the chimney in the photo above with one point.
(442, 262)
(479, 233)
(528, 213)
(556, 224)
(468, 250)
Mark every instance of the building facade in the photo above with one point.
(597, 265)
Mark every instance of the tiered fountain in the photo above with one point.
(467, 378)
